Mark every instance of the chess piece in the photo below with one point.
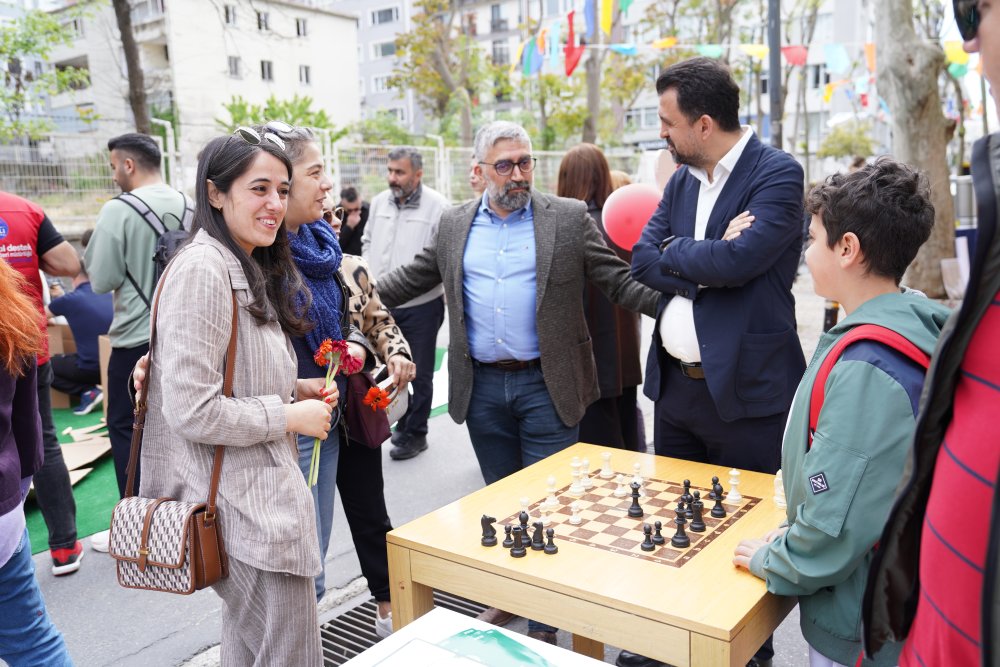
(546, 515)
(658, 538)
(647, 542)
(522, 519)
(537, 541)
(697, 509)
(734, 482)
(574, 518)
(606, 471)
(585, 475)
(621, 491)
(687, 492)
(576, 488)
(526, 506)
(635, 510)
(718, 511)
(508, 539)
(551, 501)
(779, 490)
(637, 478)
(489, 538)
(680, 538)
(518, 550)
(550, 545)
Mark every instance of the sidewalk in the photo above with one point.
(105, 624)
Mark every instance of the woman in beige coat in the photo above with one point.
(265, 510)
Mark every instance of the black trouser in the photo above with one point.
(420, 325)
(359, 479)
(119, 402)
(53, 491)
(614, 422)
(69, 378)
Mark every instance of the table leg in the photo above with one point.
(710, 651)
(409, 599)
(588, 647)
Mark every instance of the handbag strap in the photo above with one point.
(139, 420)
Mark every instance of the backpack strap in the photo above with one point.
(875, 332)
(145, 212)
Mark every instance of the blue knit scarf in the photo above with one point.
(317, 254)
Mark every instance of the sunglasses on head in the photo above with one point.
(251, 136)
(967, 17)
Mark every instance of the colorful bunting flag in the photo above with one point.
(958, 70)
(541, 39)
(710, 50)
(555, 34)
(571, 50)
(861, 85)
(517, 58)
(624, 4)
(606, 10)
(529, 51)
(588, 16)
(758, 51)
(870, 56)
(795, 55)
(624, 49)
(828, 92)
(837, 60)
(954, 53)
(665, 43)
(536, 59)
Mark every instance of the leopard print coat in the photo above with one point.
(367, 312)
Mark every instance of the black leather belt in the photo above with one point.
(509, 364)
(693, 371)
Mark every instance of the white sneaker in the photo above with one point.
(383, 626)
(100, 541)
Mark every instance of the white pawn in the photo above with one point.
(637, 478)
(622, 490)
(734, 487)
(546, 515)
(606, 471)
(525, 504)
(585, 475)
(576, 488)
(779, 490)
(551, 501)
(575, 516)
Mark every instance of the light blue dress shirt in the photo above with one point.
(499, 285)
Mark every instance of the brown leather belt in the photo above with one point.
(693, 371)
(509, 364)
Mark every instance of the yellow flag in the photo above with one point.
(954, 53)
(665, 43)
(758, 51)
(606, 7)
(828, 92)
(515, 64)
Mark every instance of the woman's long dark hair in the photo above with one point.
(274, 280)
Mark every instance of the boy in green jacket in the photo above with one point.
(866, 228)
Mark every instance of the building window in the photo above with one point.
(75, 27)
(380, 84)
(304, 75)
(398, 113)
(266, 73)
(497, 22)
(230, 14)
(501, 52)
(234, 67)
(650, 117)
(383, 50)
(632, 118)
(300, 27)
(262, 19)
(389, 15)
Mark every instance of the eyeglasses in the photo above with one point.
(967, 17)
(251, 136)
(506, 167)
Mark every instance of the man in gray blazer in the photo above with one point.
(514, 265)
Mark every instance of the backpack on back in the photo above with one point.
(167, 240)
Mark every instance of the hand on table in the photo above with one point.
(745, 551)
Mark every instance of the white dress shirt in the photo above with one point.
(677, 330)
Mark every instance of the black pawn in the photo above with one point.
(680, 538)
(550, 545)
(508, 541)
(686, 496)
(635, 510)
(647, 543)
(518, 550)
(697, 511)
(718, 511)
(537, 541)
(658, 539)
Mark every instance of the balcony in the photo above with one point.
(499, 25)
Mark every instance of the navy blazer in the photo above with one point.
(744, 312)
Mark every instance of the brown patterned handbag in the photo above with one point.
(161, 544)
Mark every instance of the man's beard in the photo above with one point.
(511, 201)
(690, 159)
(399, 193)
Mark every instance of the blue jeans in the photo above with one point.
(27, 635)
(323, 493)
(512, 424)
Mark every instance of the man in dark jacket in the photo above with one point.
(355, 219)
(933, 581)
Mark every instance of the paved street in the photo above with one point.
(105, 624)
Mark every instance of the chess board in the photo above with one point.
(605, 523)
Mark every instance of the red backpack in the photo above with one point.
(874, 332)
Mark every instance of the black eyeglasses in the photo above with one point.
(506, 167)
(967, 17)
(251, 136)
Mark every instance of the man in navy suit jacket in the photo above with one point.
(725, 359)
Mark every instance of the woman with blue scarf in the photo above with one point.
(317, 255)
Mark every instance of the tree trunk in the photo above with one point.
(136, 81)
(907, 76)
(593, 70)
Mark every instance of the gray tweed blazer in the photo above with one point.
(569, 250)
(265, 509)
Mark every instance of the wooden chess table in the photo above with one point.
(685, 607)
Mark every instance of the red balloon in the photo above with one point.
(627, 211)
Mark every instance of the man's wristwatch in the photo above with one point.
(667, 241)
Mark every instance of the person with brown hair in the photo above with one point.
(613, 419)
(26, 631)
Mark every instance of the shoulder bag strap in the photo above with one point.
(139, 420)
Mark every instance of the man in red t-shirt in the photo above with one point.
(934, 580)
(29, 242)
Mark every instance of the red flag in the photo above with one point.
(572, 52)
(795, 55)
